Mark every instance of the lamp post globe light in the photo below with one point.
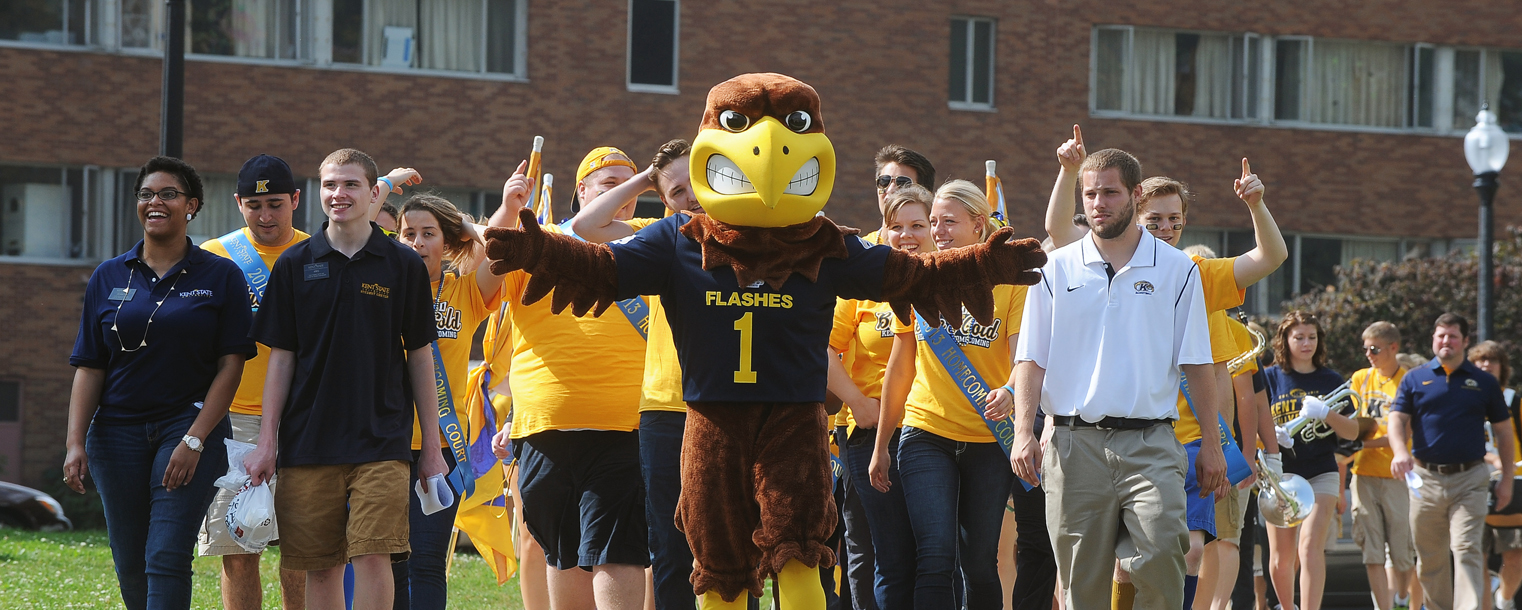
(1486, 147)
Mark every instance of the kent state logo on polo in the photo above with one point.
(1143, 287)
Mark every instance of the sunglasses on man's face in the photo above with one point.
(1372, 350)
(901, 181)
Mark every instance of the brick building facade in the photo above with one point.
(1190, 87)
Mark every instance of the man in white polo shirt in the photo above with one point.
(1116, 317)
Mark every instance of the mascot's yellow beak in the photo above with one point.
(762, 176)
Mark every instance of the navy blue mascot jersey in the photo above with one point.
(744, 343)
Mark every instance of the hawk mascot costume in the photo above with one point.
(749, 290)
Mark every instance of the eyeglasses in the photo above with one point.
(1152, 226)
(885, 180)
(166, 195)
(1372, 350)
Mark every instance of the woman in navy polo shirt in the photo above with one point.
(161, 347)
(1301, 372)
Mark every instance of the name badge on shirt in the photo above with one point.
(122, 294)
(315, 271)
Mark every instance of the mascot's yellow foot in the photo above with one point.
(798, 587)
(713, 601)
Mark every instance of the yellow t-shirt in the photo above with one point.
(249, 400)
(457, 313)
(1218, 278)
(661, 389)
(863, 334)
(1378, 395)
(1219, 281)
(936, 404)
(1223, 347)
(571, 373)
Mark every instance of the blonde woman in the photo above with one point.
(954, 475)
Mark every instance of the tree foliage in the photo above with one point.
(1411, 294)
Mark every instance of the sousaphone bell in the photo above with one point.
(1285, 501)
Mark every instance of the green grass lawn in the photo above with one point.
(73, 570)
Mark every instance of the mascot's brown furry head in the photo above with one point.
(761, 158)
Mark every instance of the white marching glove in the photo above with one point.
(1275, 464)
(1286, 440)
(1313, 408)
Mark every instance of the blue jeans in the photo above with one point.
(858, 558)
(153, 531)
(887, 519)
(956, 493)
(660, 456)
(419, 582)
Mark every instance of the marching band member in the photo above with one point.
(955, 476)
(1299, 374)
(860, 344)
(1108, 354)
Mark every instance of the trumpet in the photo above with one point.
(1338, 401)
(1285, 501)
(1259, 343)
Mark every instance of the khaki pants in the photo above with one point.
(1458, 501)
(1117, 494)
(1382, 521)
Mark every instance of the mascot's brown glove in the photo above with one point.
(582, 275)
(939, 284)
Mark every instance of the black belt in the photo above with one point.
(1449, 468)
(1109, 423)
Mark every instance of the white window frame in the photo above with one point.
(993, 70)
(676, 53)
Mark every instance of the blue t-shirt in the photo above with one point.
(1311, 455)
(1448, 412)
(204, 315)
(744, 343)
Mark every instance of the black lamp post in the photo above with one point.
(1486, 147)
(172, 115)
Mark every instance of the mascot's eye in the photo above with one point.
(799, 121)
(734, 121)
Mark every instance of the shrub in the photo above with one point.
(1411, 294)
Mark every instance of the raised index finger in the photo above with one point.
(1077, 135)
(1246, 169)
(522, 167)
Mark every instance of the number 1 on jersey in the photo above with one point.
(747, 337)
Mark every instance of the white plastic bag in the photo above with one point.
(236, 478)
(251, 517)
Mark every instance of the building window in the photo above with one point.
(971, 82)
(456, 35)
(654, 28)
(1174, 73)
(62, 22)
(266, 29)
(1490, 76)
(1342, 82)
(46, 212)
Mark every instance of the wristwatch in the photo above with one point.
(193, 443)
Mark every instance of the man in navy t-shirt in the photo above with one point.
(1446, 404)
